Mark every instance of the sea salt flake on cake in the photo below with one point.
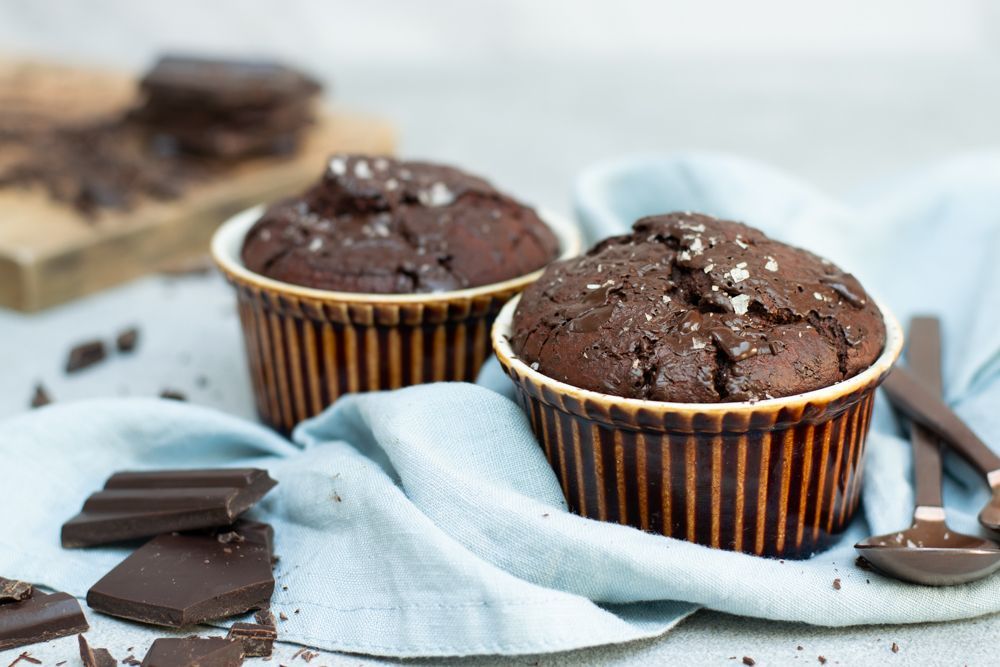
(739, 274)
(438, 195)
(665, 298)
(698, 344)
(649, 318)
(593, 286)
(338, 166)
(362, 170)
(739, 241)
(741, 303)
(315, 244)
(534, 365)
(708, 268)
(772, 264)
(817, 296)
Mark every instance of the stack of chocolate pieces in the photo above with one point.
(29, 616)
(226, 108)
(203, 562)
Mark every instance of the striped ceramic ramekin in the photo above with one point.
(307, 346)
(778, 477)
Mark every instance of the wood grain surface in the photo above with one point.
(49, 254)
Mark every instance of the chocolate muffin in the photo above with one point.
(383, 226)
(692, 309)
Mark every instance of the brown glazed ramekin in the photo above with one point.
(779, 477)
(306, 347)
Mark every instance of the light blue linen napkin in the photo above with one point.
(426, 521)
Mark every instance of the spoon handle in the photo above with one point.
(909, 395)
(924, 359)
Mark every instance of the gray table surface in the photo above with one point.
(531, 127)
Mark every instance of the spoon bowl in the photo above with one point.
(930, 553)
(989, 517)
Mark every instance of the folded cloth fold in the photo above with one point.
(426, 521)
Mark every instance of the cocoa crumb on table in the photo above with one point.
(747, 660)
(836, 584)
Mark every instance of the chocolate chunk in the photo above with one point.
(173, 395)
(836, 584)
(747, 660)
(85, 355)
(258, 640)
(127, 340)
(194, 652)
(143, 504)
(40, 618)
(265, 617)
(14, 591)
(41, 397)
(182, 579)
(95, 657)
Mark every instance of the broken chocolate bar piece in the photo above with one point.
(14, 591)
(40, 618)
(143, 504)
(95, 657)
(85, 355)
(182, 579)
(258, 640)
(194, 652)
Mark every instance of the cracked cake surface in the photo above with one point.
(693, 309)
(384, 226)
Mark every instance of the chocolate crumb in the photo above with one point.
(894, 648)
(297, 610)
(131, 660)
(127, 340)
(230, 537)
(60, 663)
(747, 660)
(836, 584)
(85, 355)
(265, 617)
(282, 616)
(173, 395)
(284, 588)
(862, 563)
(41, 397)
(799, 648)
(821, 659)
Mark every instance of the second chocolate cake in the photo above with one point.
(692, 309)
(383, 226)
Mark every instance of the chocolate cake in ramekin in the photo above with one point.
(697, 379)
(383, 274)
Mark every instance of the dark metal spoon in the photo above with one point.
(917, 402)
(929, 552)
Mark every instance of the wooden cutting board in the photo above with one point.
(49, 254)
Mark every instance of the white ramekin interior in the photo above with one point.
(227, 244)
(890, 352)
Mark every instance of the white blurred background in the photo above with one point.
(530, 91)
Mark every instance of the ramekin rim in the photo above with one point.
(500, 337)
(569, 235)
